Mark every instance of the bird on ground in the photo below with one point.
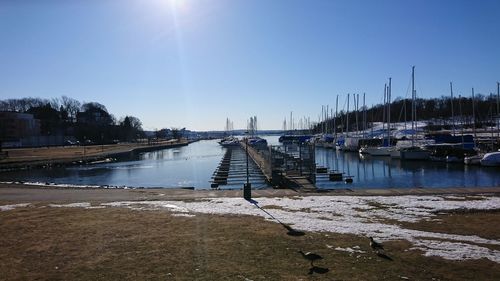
(375, 245)
(311, 256)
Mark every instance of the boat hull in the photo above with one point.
(377, 151)
(415, 154)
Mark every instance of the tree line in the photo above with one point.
(86, 121)
(467, 112)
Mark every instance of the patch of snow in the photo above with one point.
(358, 215)
(71, 205)
(67, 185)
(13, 206)
(183, 215)
(456, 251)
(349, 250)
(148, 205)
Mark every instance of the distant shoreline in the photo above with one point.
(69, 155)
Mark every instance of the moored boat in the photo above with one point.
(376, 151)
(491, 159)
(229, 141)
(414, 153)
(473, 160)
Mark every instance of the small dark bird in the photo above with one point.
(375, 245)
(311, 256)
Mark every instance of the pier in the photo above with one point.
(231, 170)
(290, 165)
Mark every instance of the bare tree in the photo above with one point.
(72, 106)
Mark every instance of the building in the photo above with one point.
(15, 126)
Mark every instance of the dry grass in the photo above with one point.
(121, 244)
(63, 151)
(484, 223)
(68, 152)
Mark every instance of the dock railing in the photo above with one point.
(284, 164)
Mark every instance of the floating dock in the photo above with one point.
(232, 170)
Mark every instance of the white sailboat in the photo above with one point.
(412, 152)
(382, 150)
(351, 143)
(491, 159)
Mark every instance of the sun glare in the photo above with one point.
(177, 4)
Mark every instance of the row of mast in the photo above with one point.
(327, 113)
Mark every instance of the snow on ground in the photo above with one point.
(12, 207)
(375, 216)
(355, 249)
(85, 205)
(71, 205)
(61, 185)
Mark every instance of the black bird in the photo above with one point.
(375, 245)
(311, 256)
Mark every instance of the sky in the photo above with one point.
(194, 63)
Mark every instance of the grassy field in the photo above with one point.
(121, 244)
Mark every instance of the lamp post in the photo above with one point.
(247, 187)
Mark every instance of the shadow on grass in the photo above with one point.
(319, 270)
(384, 256)
(290, 230)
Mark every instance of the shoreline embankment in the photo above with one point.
(67, 156)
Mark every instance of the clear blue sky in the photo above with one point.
(192, 63)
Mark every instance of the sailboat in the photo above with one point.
(350, 143)
(385, 149)
(413, 152)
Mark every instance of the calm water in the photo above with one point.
(193, 165)
(383, 172)
(187, 166)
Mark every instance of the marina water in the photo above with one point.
(193, 166)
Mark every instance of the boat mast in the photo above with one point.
(384, 107)
(389, 113)
(335, 119)
(405, 109)
(498, 111)
(327, 117)
(332, 121)
(364, 115)
(347, 126)
(452, 113)
(462, 120)
(473, 116)
(493, 122)
(413, 114)
(356, 105)
(323, 114)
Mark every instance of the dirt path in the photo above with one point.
(31, 193)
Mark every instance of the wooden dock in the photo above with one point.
(261, 162)
(232, 170)
(289, 179)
